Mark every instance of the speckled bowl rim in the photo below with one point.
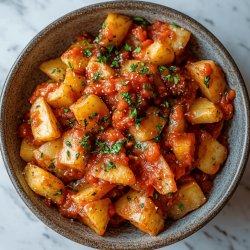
(155, 243)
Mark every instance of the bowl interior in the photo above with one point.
(50, 43)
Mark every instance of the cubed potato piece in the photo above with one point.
(96, 215)
(43, 122)
(97, 71)
(182, 37)
(75, 81)
(44, 183)
(177, 121)
(211, 154)
(75, 59)
(141, 212)
(189, 198)
(55, 69)
(164, 181)
(92, 192)
(26, 151)
(184, 147)
(89, 110)
(73, 152)
(210, 78)
(47, 154)
(114, 172)
(150, 126)
(63, 96)
(204, 111)
(115, 28)
(159, 53)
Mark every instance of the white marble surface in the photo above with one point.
(20, 20)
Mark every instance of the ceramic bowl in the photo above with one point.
(51, 42)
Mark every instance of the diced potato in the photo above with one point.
(26, 151)
(189, 198)
(212, 85)
(115, 29)
(150, 127)
(182, 37)
(75, 59)
(164, 181)
(184, 147)
(177, 122)
(44, 124)
(61, 97)
(92, 192)
(96, 215)
(89, 110)
(159, 53)
(204, 111)
(114, 173)
(98, 70)
(47, 154)
(211, 154)
(44, 183)
(75, 81)
(140, 211)
(55, 69)
(73, 154)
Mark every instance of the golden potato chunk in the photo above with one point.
(43, 122)
(204, 111)
(63, 96)
(55, 69)
(189, 198)
(184, 147)
(159, 53)
(211, 154)
(210, 78)
(46, 155)
(150, 127)
(74, 148)
(92, 192)
(181, 39)
(75, 81)
(114, 29)
(26, 151)
(96, 215)
(177, 121)
(140, 211)
(98, 71)
(114, 172)
(89, 111)
(44, 183)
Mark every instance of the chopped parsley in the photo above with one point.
(144, 70)
(104, 148)
(87, 52)
(162, 68)
(181, 206)
(137, 49)
(109, 48)
(141, 21)
(127, 98)
(93, 115)
(176, 79)
(85, 122)
(127, 47)
(59, 192)
(96, 76)
(141, 146)
(53, 71)
(206, 81)
(115, 64)
(93, 194)
(156, 195)
(110, 166)
(68, 153)
(167, 104)
(133, 67)
(159, 127)
(174, 25)
(83, 83)
(129, 198)
(67, 143)
(51, 165)
(104, 25)
(142, 205)
(84, 142)
(71, 122)
(97, 39)
(65, 110)
(172, 69)
(70, 66)
(77, 155)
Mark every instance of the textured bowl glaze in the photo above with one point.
(51, 42)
